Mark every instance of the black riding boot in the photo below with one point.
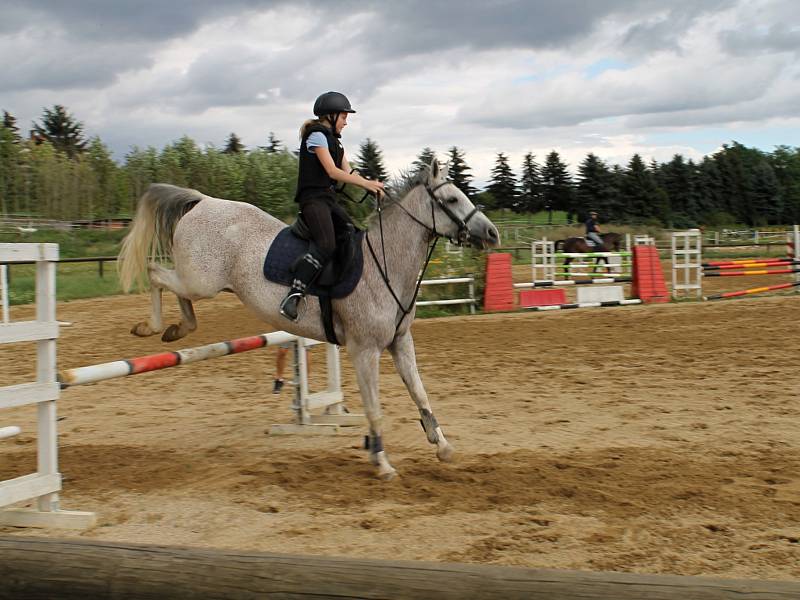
(306, 269)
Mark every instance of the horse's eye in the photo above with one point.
(452, 200)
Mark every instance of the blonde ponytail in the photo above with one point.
(324, 121)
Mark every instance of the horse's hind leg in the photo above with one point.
(154, 324)
(188, 322)
(405, 361)
(167, 278)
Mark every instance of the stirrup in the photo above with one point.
(300, 297)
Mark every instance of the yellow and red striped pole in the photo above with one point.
(757, 290)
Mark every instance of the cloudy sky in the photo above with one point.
(609, 76)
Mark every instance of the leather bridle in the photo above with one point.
(462, 237)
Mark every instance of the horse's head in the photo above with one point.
(453, 215)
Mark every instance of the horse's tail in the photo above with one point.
(556, 244)
(158, 212)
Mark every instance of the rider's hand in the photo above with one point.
(374, 187)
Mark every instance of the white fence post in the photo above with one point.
(793, 249)
(543, 259)
(4, 292)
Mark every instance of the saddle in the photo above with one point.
(338, 278)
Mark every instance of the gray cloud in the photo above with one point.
(64, 65)
(779, 37)
(143, 20)
(421, 72)
(663, 29)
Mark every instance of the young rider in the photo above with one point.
(323, 162)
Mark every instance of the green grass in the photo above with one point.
(73, 244)
(73, 281)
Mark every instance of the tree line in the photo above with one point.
(57, 172)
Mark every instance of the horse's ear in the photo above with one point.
(435, 170)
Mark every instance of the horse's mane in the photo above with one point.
(398, 188)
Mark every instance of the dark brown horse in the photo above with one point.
(611, 243)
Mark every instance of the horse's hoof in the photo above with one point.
(445, 453)
(387, 474)
(171, 334)
(142, 329)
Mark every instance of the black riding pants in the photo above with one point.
(324, 218)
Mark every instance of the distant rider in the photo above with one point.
(593, 231)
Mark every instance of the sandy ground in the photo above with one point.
(652, 439)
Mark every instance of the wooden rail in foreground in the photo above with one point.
(41, 568)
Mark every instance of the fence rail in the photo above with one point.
(101, 260)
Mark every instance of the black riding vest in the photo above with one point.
(312, 179)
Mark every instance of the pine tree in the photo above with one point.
(644, 200)
(459, 172)
(10, 123)
(370, 161)
(234, 145)
(595, 189)
(675, 178)
(424, 159)
(766, 207)
(556, 185)
(502, 184)
(785, 163)
(530, 184)
(62, 130)
(275, 145)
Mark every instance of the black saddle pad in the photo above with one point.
(285, 249)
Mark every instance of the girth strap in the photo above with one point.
(326, 308)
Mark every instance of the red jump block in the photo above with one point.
(529, 298)
(648, 277)
(499, 292)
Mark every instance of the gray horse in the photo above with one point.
(217, 245)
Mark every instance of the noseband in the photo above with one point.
(463, 236)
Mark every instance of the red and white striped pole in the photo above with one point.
(164, 360)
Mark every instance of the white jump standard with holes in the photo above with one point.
(43, 486)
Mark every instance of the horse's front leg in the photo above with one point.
(597, 261)
(366, 362)
(405, 362)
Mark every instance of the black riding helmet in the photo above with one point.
(331, 103)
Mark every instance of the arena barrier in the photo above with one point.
(688, 268)
(470, 281)
(41, 487)
(78, 569)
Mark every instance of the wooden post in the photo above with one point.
(41, 568)
(4, 292)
